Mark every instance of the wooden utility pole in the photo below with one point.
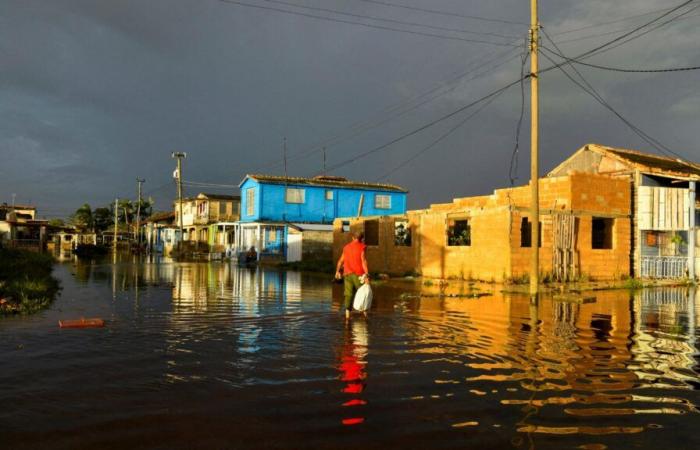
(534, 150)
(138, 213)
(116, 222)
(178, 176)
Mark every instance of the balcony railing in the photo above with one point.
(664, 266)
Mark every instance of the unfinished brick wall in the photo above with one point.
(495, 252)
(386, 257)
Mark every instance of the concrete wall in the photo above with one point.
(317, 246)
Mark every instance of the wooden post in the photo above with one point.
(361, 204)
(116, 221)
(534, 144)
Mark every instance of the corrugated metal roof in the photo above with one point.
(325, 181)
(652, 163)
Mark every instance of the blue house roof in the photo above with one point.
(271, 198)
(323, 181)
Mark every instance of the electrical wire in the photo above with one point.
(513, 169)
(442, 137)
(367, 25)
(421, 128)
(589, 89)
(402, 108)
(388, 20)
(618, 69)
(443, 13)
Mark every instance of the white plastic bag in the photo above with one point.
(363, 298)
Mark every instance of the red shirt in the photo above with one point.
(352, 258)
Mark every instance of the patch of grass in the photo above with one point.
(633, 283)
(428, 282)
(26, 284)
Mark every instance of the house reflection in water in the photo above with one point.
(586, 360)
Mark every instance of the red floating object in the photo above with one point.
(355, 402)
(81, 323)
(353, 421)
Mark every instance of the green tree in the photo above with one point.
(57, 223)
(82, 218)
(102, 218)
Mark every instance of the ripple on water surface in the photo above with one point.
(213, 356)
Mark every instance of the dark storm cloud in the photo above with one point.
(96, 93)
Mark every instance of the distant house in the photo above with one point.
(291, 218)
(20, 228)
(160, 232)
(208, 219)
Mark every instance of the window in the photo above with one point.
(272, 235)
(382, 201)
(222, 208)
(346, 226)
(602, 233)
(526, 233)
(329, 195)
(294, 195)
(371, 232)
(402, 233)
(459, 233)
(250, 202)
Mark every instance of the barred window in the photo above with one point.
(459, 233)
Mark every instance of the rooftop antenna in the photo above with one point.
(324, 161)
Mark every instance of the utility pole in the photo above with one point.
(178, 176)
(534, 150)
(138, 213)
(116, 221)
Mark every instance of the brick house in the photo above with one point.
(591, 218)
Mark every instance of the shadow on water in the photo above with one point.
(209, 355)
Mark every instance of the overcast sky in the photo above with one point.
(94, 93)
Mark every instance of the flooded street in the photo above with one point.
(209, 355)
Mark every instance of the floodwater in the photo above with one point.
(208, 355)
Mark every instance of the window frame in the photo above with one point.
(380, 205)
(289, 190)
(250, 202)
(329, 195)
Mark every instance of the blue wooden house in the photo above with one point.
(279, 213)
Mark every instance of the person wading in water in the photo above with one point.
(353, 264)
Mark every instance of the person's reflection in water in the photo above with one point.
(353, 370)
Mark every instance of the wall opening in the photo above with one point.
(602, 233)
(459, 233)
(371, 232)
(402, 233)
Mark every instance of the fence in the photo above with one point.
(664, 266)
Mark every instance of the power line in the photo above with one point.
(513, 169)
(623, 19)
(388, 20)
(460, 124)
(589, 89)
(630, 34)
(599, 49)
(367, 25)
(421, 128)
(402, 107)
(443, 13)
(618, 69)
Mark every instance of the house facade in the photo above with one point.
(20, 228)
(666, 213)
(207, 221)
(291, 218)
(604, 213)
(585, 226)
